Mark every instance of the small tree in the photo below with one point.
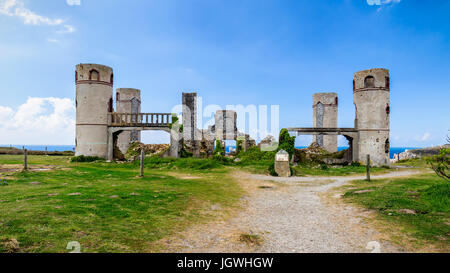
(219, 149)
(239, 143)
(287, 142)
(440, 164)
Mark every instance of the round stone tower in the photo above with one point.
(371, 98)
(94, 91)
(128, 100)
(325, 111)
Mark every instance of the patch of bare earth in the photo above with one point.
(284, 215)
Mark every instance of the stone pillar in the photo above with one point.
(128, 100)
(325, 109)
(282, 166)
(226, 124)
(175, 138)
(190, 132)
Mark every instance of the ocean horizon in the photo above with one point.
(62, 148)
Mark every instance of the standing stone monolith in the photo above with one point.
(282, 167)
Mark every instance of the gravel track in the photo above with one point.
(290, 216)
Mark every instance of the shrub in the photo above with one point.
(219, 149)
(355, 164)
(272, 171)
(83, 158)
(239, 146)
(440, 164)
(223, 159)
(287, 142)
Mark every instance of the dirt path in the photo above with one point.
(285, 215)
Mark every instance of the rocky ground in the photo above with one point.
(287, 215)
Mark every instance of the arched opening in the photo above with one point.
(388, 83)
(111, 80)
(110, 105)
(369, 82)
(354, 85)
(117, 96)
(388, 109)
(76, 76)
(94, 75)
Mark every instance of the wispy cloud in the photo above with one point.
(73, 2)
(16, 8)
(425, 137)
(382, 2)
(43, 120)
(66, 29)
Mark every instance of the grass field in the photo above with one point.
(107, 207)
(417, 206)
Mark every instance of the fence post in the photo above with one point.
(368, 168)
(25, 159)
(142, 163)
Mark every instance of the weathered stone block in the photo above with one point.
(282, 167)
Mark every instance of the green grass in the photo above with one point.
(116, 211)
(427, 195)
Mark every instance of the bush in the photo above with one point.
(355, 164)
(272, 171)
(83, 158)
(440, 164)
(181, 163)
(255, 154)
(219, 149)
(239, 146)
(223, 159)
(287, 142)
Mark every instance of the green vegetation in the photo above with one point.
(251, 239)
(286, 142)
(106, 206)
(219, 150)
(440, 164)
(418, 206)
(83, 158)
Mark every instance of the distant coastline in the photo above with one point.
(62, 148)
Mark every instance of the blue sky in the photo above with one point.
(259, 52)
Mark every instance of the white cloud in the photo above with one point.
(382, 2)
(425, 137)
(16, 8)
(39, 121)
(73, 2)
(66, 29)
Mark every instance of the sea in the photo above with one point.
(62, 148)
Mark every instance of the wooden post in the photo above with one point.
(142, 163)
(25, 159)
(368, 168)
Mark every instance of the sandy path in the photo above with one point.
(289, 215)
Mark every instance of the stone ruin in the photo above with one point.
(201, 142)
(104, 131)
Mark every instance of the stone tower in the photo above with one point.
(94, 91)
(371, 98)
(128, 100)
(325, 113)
